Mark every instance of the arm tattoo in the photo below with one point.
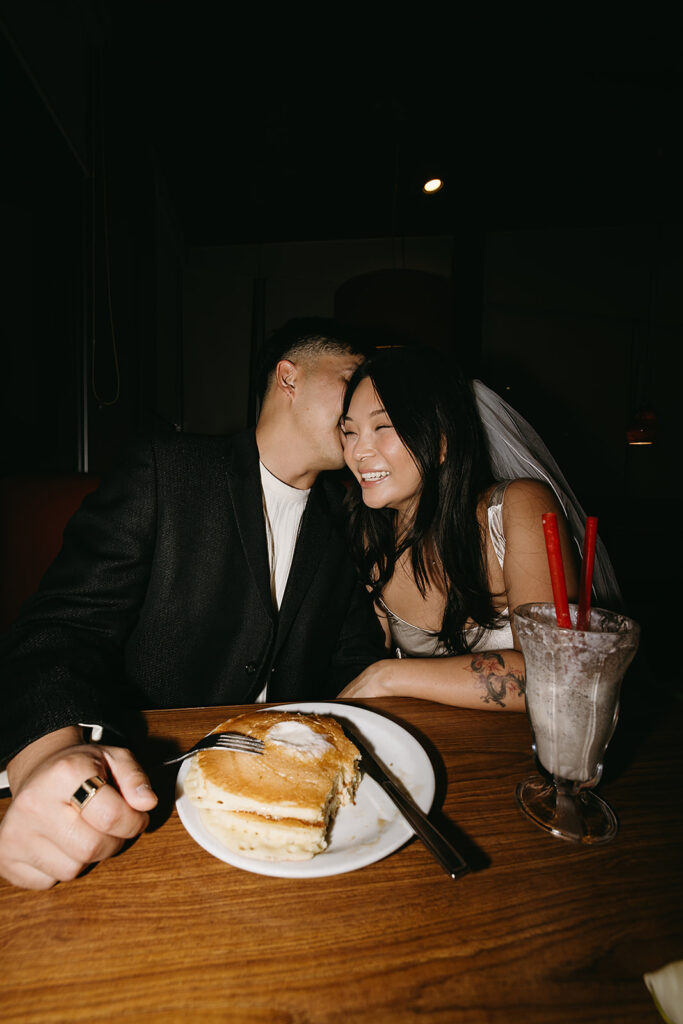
(491, 674)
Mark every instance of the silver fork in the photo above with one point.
(222, 741)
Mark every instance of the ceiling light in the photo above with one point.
(433, 185)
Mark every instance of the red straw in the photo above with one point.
(552, 544)
(583, 615)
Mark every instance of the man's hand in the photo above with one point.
(44, 839)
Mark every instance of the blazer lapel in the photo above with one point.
(244, 485)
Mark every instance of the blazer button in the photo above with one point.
(250, 668)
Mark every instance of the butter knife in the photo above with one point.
(453, 863)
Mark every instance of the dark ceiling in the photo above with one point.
(302, 143)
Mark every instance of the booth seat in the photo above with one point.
(33, 513)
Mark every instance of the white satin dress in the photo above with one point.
(411, 641)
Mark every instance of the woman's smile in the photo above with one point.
(371, 478)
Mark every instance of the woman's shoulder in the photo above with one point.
(519, 499)
(527, 499)
(528, 489)
(517, 492)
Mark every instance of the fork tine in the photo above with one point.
(238, 739)
(239, 742)
(232, 745)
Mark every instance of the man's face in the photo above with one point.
(321, 384)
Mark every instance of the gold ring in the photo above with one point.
(86, 791)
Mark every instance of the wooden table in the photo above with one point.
(542, 931)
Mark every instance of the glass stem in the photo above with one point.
(568, 819)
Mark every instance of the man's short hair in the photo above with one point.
(306, 337)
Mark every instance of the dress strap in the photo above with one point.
(498, 493)
(495, 519)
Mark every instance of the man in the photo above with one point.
(174, 588)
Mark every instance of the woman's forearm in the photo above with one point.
(486, 680)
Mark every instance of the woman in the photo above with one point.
(446, 551)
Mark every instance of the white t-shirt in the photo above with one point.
(283, 508)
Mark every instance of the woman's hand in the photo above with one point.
(374, 681)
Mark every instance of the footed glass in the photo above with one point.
(573, 682)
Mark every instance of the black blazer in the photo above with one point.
(160, 597)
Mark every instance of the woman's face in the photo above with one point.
(375, 454)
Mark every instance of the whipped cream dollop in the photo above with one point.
(299, 737)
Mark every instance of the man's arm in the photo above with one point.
(62, 661)
(63, 664)
(361, 639)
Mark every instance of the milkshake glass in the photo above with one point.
(573, 680)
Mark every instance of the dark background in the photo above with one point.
(177, 180)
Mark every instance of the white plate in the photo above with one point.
(363, 832)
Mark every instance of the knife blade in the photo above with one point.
(453, 863)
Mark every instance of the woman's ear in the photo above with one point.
(442, 450)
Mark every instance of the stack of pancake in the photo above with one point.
(279, 805)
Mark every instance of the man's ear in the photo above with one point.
(285, 377)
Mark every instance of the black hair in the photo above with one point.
(432, 407)
(301, 336)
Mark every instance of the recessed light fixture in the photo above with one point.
(642, 428)
(433, 185)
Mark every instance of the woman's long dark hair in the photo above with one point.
(431, 405)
